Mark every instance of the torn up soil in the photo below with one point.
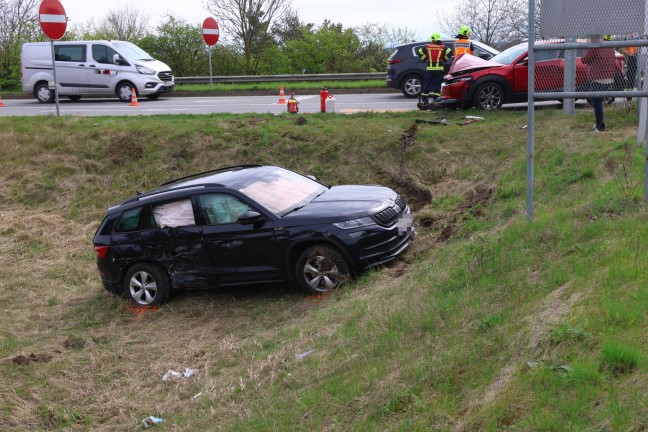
(36, 358)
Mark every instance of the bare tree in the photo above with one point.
(499, 23)
(18, 24)
(126, 24)
(251, 23)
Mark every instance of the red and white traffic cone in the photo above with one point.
(1, 104)
(282, 96)
(133, 98)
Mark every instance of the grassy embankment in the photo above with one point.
(487, 323)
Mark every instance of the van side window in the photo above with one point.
(71, 53)
(103, 54)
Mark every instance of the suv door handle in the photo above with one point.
(81, 65)
(92, 65)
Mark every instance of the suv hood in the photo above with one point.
(471, 63)
(346, 202)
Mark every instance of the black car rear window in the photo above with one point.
(136, 219)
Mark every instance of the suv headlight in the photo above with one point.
(354, 223)
(144, 70)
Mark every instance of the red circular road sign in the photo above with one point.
(210, 31)
(52, 18)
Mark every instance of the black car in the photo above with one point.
(406, 71)
(247, 224)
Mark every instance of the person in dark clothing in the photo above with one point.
(435, 55)
(600, 73)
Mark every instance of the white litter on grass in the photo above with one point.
(151, 421)
(475, 118)
(188, 373)
(197, 396)
(304, 354)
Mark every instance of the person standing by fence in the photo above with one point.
(600, 74)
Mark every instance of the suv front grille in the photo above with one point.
(389, 216)
(166, 76)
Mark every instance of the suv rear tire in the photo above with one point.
(320, 269)
(411, 86)
(146, 284)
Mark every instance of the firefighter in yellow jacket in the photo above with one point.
(435, 54)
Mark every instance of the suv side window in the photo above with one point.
(222, 208)
(71, 53)
(103, 54)
(174, 214)
(482, 53)
(136, 219)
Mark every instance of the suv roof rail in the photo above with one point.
(210, 172)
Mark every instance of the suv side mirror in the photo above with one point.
(249, 217)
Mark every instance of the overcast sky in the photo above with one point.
(413, 14)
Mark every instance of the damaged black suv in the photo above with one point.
(247, 224)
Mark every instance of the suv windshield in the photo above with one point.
(131, 51)
(282, 191)
(510, 55)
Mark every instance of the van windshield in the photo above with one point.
(132, 51)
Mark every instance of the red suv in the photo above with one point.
(503, 79)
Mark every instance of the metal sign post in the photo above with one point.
(53, 22)
(56, 95)
(211, 33)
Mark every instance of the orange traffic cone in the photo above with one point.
(282, 96)
(1, 104)
(133, 98)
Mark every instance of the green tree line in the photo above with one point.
(289, 47)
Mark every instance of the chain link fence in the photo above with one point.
(595, 50)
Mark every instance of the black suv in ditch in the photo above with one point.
(406, 71)
(247, 224)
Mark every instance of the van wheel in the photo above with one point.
(147, 285)
(124, 91)
(320, 269)
(43, 93)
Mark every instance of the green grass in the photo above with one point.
(488, 322)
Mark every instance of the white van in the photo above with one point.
(93, 68)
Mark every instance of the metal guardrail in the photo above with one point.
(279, 78)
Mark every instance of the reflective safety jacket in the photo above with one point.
(434, 55)
(631, 50)
(463, 46)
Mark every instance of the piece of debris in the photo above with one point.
(188, 373)
(304, 354)
(474, 118)
(152, 421)
(524, 127)
(443, 122)
(139, 311)
(197, 396)
(36, 358)
(301, 120)
(463, 123)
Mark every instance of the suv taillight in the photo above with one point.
(101, 251)
(394, 61)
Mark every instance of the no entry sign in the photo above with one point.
(210, 31)
(52, 19)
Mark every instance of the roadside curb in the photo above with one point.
(332, 90)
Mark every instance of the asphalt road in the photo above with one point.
(347, 103)
(344, 104)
